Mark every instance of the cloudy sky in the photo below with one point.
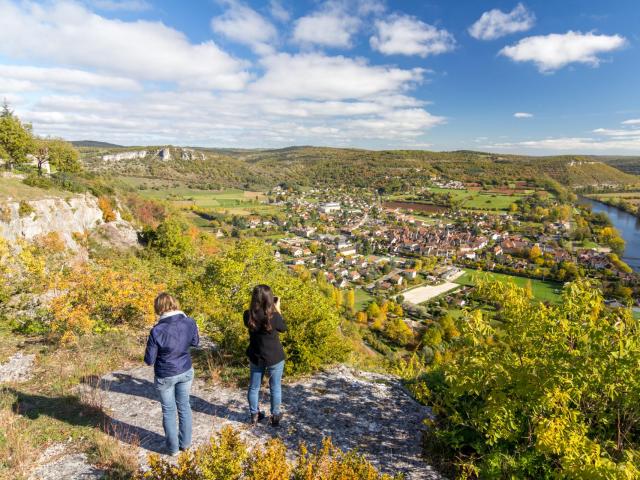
(535, 77)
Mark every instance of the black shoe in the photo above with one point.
(275, 420)
(256, 417)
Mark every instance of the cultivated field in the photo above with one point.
(542, 290)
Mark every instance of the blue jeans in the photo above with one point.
(174, 395)
(275, 380)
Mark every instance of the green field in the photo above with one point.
(232, 201)
(542, 290)
(362, 299)
(480, 200)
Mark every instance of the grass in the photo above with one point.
(47, 409)
(542, 290)
(362, 299)
(479, 200)
(15, 189)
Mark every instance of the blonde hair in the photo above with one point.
(165, 303)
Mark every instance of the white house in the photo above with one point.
(329, 207)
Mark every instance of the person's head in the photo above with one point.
(165, 303)
(261, 308)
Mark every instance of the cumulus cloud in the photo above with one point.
(331, 26)
(496, 23)
(77, 74)
(523, 115)
(26, 78)
(554, 51)
(406, 35)
(140, 49)
(244, 25)
(632, 121)
(318, 76)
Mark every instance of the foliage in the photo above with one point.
(548, 392)
(24, 209)
(171, 240)
(104, 203)
(16, 139)
(223, 291)
(398, 331)
(227, 457)
(99, 297)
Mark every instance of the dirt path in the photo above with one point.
(370, 412)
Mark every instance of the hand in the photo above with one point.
(277, 304)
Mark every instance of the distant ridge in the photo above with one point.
(94, 143)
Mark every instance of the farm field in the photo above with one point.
(232, 201)
(427, 292)
(542, 290)
(481, 200)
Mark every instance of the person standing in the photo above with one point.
(265, 352)
(167, 350)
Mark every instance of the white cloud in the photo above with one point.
(617, 133)
(332, 26)
(523, 115)
(26, 78)
(554, 51)
(122, 5)
(317, 76)
(632, 121)
(496, 23)
(244, 25)
(406, 35)
(69, 35)
(278, 11)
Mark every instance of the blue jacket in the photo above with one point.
(169, 343)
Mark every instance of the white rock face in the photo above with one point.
(164, 154)
(116, 157)
(75, 215)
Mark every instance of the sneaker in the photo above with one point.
(275, 420)
(256, 418)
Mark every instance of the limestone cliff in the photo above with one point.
(70, 218)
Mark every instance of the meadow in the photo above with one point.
(543, 290)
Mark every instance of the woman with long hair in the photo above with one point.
(265, 352)
(167, 350)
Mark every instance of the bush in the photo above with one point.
(35, 180)
(25, 209)
(550, 392)
(227, 457)
(104, 203)
(398, 331)
(223, 292)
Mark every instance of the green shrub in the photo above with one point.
(25, 209)
(223, 292)
(35, 180)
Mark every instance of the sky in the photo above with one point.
(537, 77)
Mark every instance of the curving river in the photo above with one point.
(628, 225)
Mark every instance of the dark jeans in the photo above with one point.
(174, 395)
(275, 379)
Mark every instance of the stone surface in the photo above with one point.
(17, 368)
(117, 234)
(56, 463)
(116, 157)
(364, 411)
(77, 214)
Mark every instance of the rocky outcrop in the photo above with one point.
(116, 157)
(369, 412)
(68, 217)
(17, 369)
(164, 154)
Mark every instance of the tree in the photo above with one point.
(398, 332)
(16, 139)
(351, 300)
(535, 252)
(63, 156)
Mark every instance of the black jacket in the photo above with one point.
(265, 348)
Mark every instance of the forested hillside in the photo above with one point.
(240, 168)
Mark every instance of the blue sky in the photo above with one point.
(536, 77)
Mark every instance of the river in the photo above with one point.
(629, 227)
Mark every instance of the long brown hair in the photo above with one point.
(261, 309)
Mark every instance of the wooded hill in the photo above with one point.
(217, 168)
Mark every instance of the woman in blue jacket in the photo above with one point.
(168, 351)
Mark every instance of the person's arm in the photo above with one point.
(279, 324)
(245, 317)
(151, 352)
(195, 341)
